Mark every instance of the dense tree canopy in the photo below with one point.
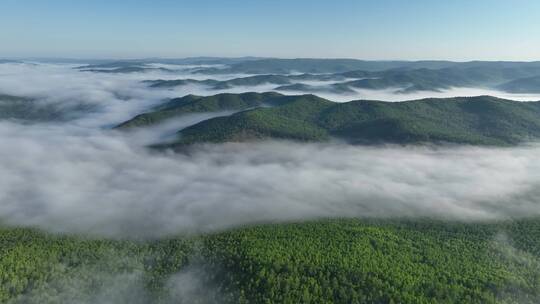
(331, 261)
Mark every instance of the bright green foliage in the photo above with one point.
(41, 268)
(481, 120)
(293, 120)
(332, 261)
(383, 262)
(199, 104)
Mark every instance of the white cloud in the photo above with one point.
(105, 184)
(74, 177)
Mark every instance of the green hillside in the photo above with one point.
(248, 81)
(198, 104)
(296, 120)
(27, 109)
(312, 65)
(254, 80)
(481, 120)
(408, 80)
(160, 83)
(510, 78)
(331, 261)
(337, 88)
(522, 85)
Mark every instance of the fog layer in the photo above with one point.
(100, 182)
(80, 177)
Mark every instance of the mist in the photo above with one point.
(105, 184)
(81, 177)
(393, 95)
(118, 97)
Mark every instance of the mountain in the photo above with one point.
(407, 80)
(31, 110)
(2, 61)
(522, 85)
(327, 261)
(127, 69)
(312, 65)
(246, 81)
(113, 65)
(315, 66)
(128, 66)
(481, 120)
(109, 63)
(199, 104)
(223, 84)
(337, 88)
(15, 107)
(254, 80)
(403, 79)
(160, 83)
(411, 80)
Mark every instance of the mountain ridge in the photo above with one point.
(478, 120)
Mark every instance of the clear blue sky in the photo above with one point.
(367, 29)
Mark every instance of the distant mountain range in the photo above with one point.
(126, 69)
(522, 85)
(481, 120)
(307, 65)
(349, 75)
(511, 79)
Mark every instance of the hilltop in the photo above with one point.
(480, 120)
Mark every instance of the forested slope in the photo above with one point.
(332, 261)
(481, 120)
(201, 104)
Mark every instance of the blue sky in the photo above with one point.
(366, 29)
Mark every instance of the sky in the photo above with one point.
(364, 29)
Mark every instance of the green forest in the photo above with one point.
(324, 261)
(481, 120)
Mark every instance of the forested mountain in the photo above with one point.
(28, 109)
(481, 120)
(311, 65)
(511, 79)
(401, 76)
(438, 79)
(2, 61)
(331, 261)
(475, 120)
(127, 69)
(225, 84)
(308, 65)
(198, 104)
(160, 83)
(522, 85)
(254, 65)
(108, 63)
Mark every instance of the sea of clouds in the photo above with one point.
(80, 176)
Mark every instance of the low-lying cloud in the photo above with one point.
(118, 97)
(78, 177)
(102, 183)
